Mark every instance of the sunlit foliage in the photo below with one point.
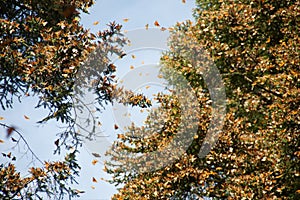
(255, 45)
(42, 47)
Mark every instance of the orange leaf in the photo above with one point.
(1, 118)
(125, 20)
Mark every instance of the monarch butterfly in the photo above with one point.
(69, 11)
(156, 23)
(9, 131)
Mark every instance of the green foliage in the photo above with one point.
(42, 48)
(255, 45)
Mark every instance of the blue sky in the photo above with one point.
(41, 137)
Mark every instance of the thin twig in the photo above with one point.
(25, 141)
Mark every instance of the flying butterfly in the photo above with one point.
(9, 131)
(156, 23)
(116, 126)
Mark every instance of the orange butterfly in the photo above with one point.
(9, 131)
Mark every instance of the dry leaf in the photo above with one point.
(131, 67)
(96, 23)
(147, 26)
(26, 117)
(125, 20)
(1, 141)
(1, 118)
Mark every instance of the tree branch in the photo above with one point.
(25, 141)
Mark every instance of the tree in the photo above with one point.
(255, 46)
(43, 46)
